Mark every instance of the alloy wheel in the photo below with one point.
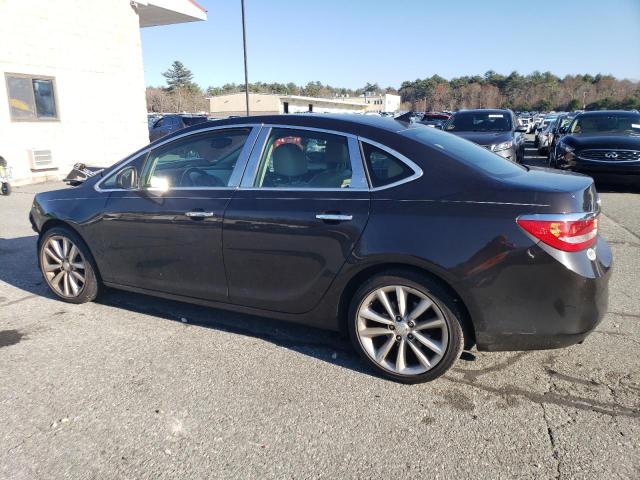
(63, 266)
(402, 329)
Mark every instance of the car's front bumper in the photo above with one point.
(569, 161)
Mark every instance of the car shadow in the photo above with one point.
(19, 268)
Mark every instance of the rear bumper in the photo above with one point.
(557, 303)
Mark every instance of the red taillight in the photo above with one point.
(561, 233)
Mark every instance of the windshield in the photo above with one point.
(606, 123)
(479, 122)
(465, 151)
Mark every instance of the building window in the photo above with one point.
(31, 98)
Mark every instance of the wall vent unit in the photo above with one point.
(41, 159)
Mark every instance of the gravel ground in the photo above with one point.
(137, 387)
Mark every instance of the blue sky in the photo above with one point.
(350, 42)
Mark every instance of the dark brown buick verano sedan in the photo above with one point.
(414, 241)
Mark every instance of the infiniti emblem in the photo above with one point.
(611, 155)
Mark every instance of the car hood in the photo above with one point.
(485, 138)
(612, 141)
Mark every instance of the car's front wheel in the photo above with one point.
(67, 266)
(406, 326)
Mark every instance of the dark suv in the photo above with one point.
(495, 130)
(170, 123)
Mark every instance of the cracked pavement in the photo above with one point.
(138, 387)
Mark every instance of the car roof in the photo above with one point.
(595, 113)
(347, 123)
(485, 110)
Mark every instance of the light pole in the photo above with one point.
(244, 47)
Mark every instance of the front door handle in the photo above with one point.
(334, 217)
(198, 214)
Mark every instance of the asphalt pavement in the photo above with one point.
(137, 387)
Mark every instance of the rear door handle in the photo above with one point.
(334, 217)
(197, 214)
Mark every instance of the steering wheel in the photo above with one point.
(200, 179)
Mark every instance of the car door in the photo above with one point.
(302, 206)
(165, 233)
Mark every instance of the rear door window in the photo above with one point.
(304, 159)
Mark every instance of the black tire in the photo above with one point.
(448, 305)
(91, 287)
(6, 188)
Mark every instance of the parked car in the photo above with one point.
(172, 123)
(527, 123)
(495, 130)
(543, 124)
(602, 143)
(414, 241)
(537, 120)
(559, 130)
(434, 119)
(545, 137)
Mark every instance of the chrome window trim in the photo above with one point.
(417, 171)
(357, 168)
(248, 146)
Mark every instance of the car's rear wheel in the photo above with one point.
(67, 266)
(406, 326)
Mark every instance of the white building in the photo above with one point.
(387, 102)
(273, 104)
(74, 81)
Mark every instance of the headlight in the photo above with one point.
(501, 146)
(565, 147)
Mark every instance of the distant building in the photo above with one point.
(386, 102)
(74, 81)
(273, 104)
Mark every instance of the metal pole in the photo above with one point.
(244, 46)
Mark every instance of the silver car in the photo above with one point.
(544, 138)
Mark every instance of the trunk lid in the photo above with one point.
(553, 191)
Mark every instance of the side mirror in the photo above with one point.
(127, 179)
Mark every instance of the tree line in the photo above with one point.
(536, 91)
